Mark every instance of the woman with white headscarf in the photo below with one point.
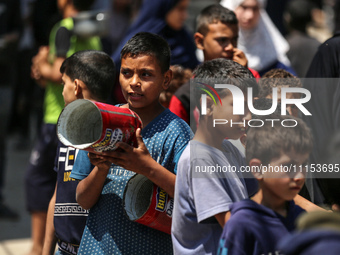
(259, 39)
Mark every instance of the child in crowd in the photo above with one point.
(40, 178)
(88, 75)
(202, 200)
(280, 78)
(216, 35)
(277, 156)
(180, 76)
(319, 232)
(144, 73)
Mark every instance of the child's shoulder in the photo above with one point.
(245, 206)
(201, 152)
(246, 210)
(244, 216)
(170, 121)
(294, 210)
(230, 147)
(168, 130)
(173, 118)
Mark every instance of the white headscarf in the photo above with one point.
(264, 44)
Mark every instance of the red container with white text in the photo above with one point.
(96, 127)
(146, 203)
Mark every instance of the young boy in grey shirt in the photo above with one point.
(208, 177)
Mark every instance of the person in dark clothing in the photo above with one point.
(302, 47)
(10, 30)
(317, 233)
(323, 82)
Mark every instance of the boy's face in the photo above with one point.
(285, 183)
(219, 42)
(69, 90)
(142, 81)
(291, 108)
(225, 112)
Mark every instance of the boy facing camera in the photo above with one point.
(215, 37)
(145, 72)
(277, 157)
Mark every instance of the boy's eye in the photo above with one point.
(222, 40)
(145, 73)
(125, 73)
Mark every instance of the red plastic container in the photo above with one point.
(146, 203)
(96, 127)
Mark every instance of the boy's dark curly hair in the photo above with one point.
(277, 78)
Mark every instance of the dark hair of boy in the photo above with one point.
(149, 44)
(277, 78)
(212, 15)
(95, 68)
(222, 71)
(268, 142)
(82, 5)
(263, 103)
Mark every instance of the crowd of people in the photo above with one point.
(238, 171)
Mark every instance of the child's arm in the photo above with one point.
(140, 161)
(222, 218)
(306, 204)
(50, 237)
(46, 70)
(90, 188)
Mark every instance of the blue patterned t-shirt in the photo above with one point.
(108, 230)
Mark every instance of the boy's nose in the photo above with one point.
(299, 176)
(135, 81)
(228, 46)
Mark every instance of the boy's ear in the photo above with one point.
(167, 79)
(199, 38)
(243, 139)
(78, 88)
(210, 106)
(255, 166)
